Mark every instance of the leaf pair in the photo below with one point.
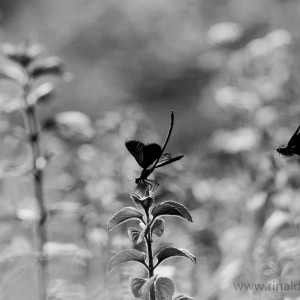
(156, 225)
(137, 236)
(133, 255)
(167, 208)
(24, 53)
(27, 56)
(164, 288)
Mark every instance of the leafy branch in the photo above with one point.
(151, 222)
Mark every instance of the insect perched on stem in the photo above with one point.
(150, 157)
(293, 146)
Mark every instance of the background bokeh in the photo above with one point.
(230, 71)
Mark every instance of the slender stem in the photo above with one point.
(32, 126)
(150, 258)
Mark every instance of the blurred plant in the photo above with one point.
(25, 69)
(158, 288)
(256, 80)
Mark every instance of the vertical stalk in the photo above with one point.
(150, 258)
(32, 127)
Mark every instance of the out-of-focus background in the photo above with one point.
(230, 71)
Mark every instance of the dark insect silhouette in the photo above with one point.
(293, 146)
(150, 157)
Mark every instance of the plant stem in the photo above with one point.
(32, 126)
(150, 259)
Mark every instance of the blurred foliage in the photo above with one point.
(230, 71)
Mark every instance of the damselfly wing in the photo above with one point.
(145, 155)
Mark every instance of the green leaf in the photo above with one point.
(13, 73)
(137, 201)
(183, 297)
(73, 125)
(14, 105)
(165, 209)
(74, 119)
(49, 66)
(182, 209)
(22, 54)
(142, 202)
(136, 285)
(158, 227)
(164, 288)
(125, 214)
(140, 287)
(42, 94)
(125, 256)
(171, 251)
(133, 234)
